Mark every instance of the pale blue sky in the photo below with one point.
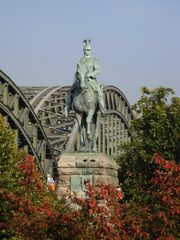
(137, 41)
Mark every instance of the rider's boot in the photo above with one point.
(101, 107)
(102, 110)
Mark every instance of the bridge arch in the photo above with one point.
(50, 111)
(115, 126)
(21, 117)
(37, 116)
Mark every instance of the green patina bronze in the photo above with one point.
(86, 98)
(78, 184)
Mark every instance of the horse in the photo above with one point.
(85, 105)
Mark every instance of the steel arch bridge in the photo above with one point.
(36, 115)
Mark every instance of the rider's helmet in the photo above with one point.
(87, 45)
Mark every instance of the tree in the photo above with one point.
(8, 156)
(28, 209)
(156, 128)
(7, 152)
(164, 207)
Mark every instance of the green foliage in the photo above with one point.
(157, 123)
(7, 173)
(7, 150)
(7, 147)
(155, 128)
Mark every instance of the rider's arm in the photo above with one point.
(79, 65)
(96, 68)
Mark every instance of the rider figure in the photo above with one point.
(92, 68)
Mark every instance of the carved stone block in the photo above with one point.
(75, 168)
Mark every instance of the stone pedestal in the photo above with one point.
(76, 168)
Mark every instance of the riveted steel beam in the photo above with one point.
(21, 117)
(49, 104)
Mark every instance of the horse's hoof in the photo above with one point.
(82, 149)
(94, 150)
(90, 137)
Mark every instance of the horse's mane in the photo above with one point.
(76, 83)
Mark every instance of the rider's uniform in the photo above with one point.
(89, 65)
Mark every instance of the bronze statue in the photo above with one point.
(86, 97)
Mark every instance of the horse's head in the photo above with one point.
(81, 75)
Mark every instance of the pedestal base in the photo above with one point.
(76, 168)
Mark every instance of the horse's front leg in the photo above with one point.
(89, 129)
(97, 127)
(80, 128)
(88, 121)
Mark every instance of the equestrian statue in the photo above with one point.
(86, 99)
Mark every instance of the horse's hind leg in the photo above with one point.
(97, 127)
(89, 130)
(80, 128)
(88, 121)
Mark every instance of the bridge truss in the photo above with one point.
(21, 117)
(36, 115)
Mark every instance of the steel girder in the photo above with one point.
(49, 104)
(115, 126)
(30, 135)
